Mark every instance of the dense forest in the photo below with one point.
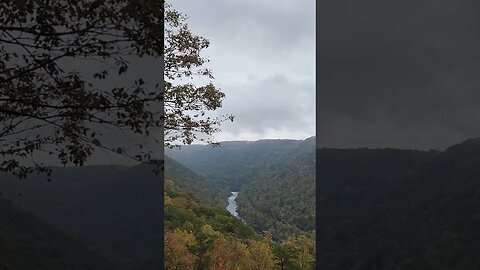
(199, 235)
(98, 207)
(399, 209)
(275, 179)
(190, 182)
(281, 196)
(232, 161)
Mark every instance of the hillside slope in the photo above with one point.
(188, 181)
(281, 195)
(399, 209)
(199, 235)
(114, 210)
(27, 242)
(229, 162)
(275, 179)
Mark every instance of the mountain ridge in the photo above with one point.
(399, 209)
(262, 170)
(100, 207)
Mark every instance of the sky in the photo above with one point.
(378, 73)
(262, 55)
(401, 74)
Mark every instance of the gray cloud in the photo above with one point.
(262, 54)
(272, 103)
(398, 73)
(268, 26)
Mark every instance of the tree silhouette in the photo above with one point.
(47, 104)
(186, 104)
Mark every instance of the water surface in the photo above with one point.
(232, 205)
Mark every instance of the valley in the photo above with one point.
(399, 209)
(232, 205)
(275, 178)
(94, 208)
(243, 226)
(377, 208)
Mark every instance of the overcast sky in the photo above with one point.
(263, 57)
(402, 73)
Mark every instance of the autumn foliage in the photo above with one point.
(196, 238)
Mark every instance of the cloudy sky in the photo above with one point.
(263, 57)
(398, 73)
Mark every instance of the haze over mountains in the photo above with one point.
(228, 163)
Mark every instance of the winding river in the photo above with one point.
(232, 205)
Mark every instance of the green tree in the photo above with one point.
(47, 105)
(205, 241)
(301, 249)
(187, 104)
(282, 255)
(261, 255)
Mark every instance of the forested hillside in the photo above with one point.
(188, 181)
(275, 179)
(231, 162)
(399, 209)
(202, 236)
(281, 195)
(113, 210)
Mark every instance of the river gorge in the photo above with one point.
(232, 205)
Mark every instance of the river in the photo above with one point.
(232, 205)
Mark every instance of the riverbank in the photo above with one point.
(232, 205)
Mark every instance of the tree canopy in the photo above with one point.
(202, 236)
(50, 105)
(186, 103)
